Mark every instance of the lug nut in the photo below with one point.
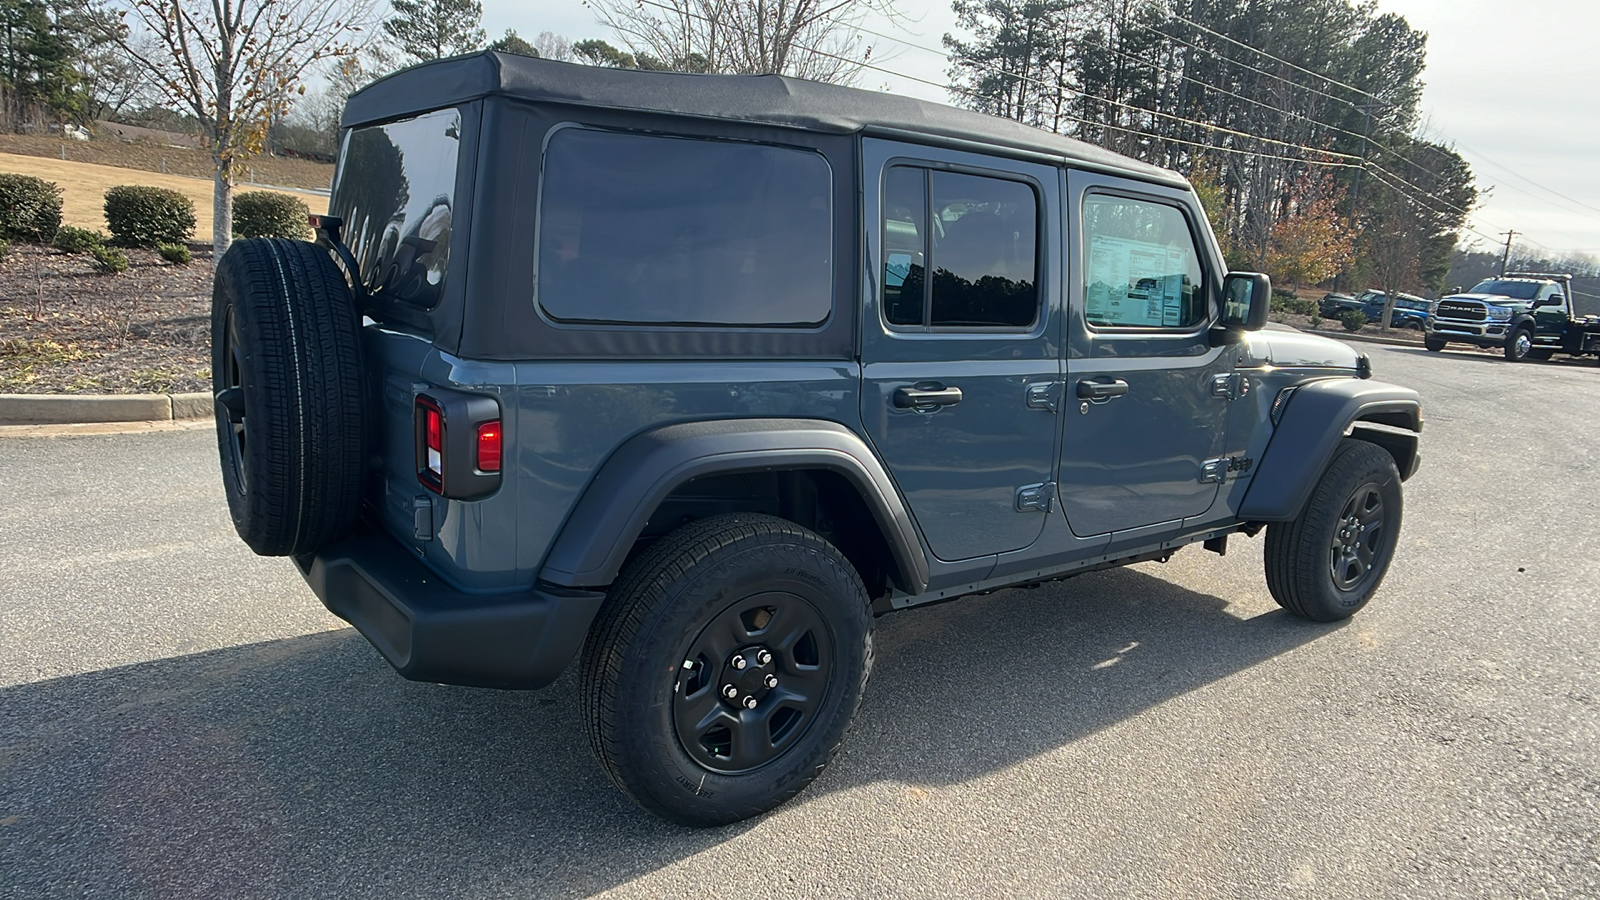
(771, 681)
(749, 702)
(730, 691)
(763, 657)
(738, 662)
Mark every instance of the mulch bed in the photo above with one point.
(64, 328)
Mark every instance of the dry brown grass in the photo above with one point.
(84, 188)
(289, 173)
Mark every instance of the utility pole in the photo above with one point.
(1505, 258)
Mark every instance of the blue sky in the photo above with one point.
(1505, 85)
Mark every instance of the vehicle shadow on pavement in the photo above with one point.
(305, 767)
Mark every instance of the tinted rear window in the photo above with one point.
(648, 230)
(396, 195)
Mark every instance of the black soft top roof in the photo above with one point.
(768, 99)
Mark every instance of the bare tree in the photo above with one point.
(233, 64)
(553, 46)
(816, 39)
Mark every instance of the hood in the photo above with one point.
(1295, 349)
(1496, 299)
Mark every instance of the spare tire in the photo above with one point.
(286, 375)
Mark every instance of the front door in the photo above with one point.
(1147, 394)
(960, 341)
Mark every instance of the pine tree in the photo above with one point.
(432, 29)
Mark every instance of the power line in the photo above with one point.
(1413, 200)
(1244, 65)
(1275, 58)
(1203, 125)
(1154, 136)
(1174, 70)
(1365, 93)
(1528, 180)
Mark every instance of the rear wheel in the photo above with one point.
(1519, 344)
(1326, 564)
(727, 664)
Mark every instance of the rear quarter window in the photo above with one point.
(396, 194)
(652, 230)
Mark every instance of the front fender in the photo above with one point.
(618, 503)
(1317, 415)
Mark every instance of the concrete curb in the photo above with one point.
(72, 409)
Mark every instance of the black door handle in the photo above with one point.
(1101, 389)
(926, 396)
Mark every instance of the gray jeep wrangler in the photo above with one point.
(689, 377)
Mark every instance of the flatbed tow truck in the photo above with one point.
(1526, 314)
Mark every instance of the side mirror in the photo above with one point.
(1552, 300)
(1246, 300)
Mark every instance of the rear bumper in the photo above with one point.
(429, 631)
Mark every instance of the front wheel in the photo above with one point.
(1519, 345)
(725, 668)
(1434, 344)
(1326, 564)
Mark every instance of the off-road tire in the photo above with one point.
(1434, 345)
(1300, 555)
(1515, 349)
(632, 671)
(286, 372)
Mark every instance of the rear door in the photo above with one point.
(1148, 395)
(960, 346)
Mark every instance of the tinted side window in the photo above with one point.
(905, 228)
(978, 236)
(640, 229)
(1141, 266)
(396, 194)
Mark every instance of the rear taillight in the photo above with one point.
(430, 443)
(489, 446)
(458, 443)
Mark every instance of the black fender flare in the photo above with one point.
(608, 518)
(1316, 416)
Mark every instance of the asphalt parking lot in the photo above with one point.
(179, 718)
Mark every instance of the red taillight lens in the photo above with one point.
(430, 447)
(489, 446)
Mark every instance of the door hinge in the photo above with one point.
(1036, 497)
(1232, 385)
(1044, 395)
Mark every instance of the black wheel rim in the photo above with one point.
(230, 402)
(752, 683)
(1358, 538)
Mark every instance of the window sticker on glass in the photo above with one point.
(1142, 269)
(1134, 283)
